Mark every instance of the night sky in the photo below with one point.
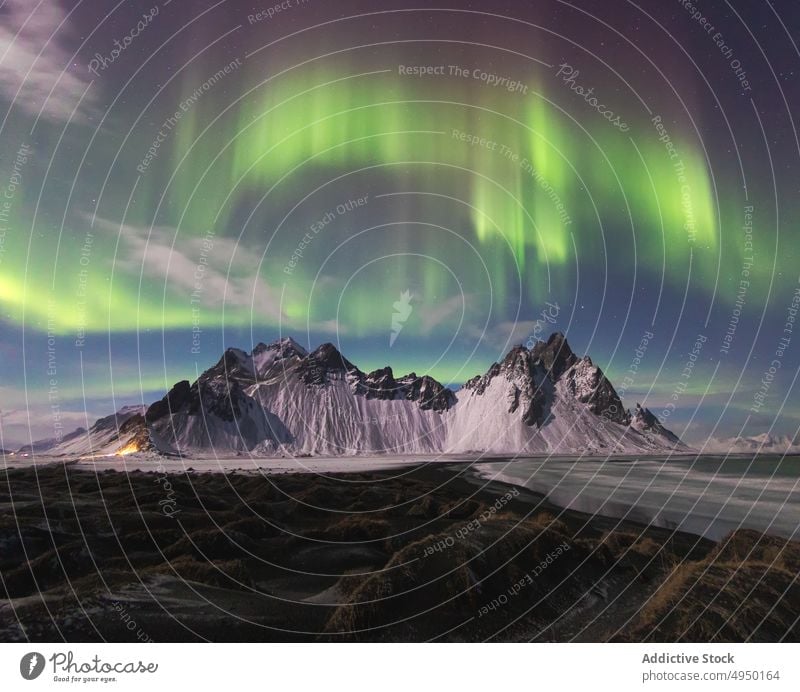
(422, 187)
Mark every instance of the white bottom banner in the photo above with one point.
(388, 667)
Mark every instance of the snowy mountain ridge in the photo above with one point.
(765, 443)
(281, 400)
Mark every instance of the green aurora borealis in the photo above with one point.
(521, 196)
(485, 203)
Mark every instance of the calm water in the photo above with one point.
(703, 495)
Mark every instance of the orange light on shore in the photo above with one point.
(131, 448)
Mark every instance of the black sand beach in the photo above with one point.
(418, 554)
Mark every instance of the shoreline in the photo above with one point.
(14, 460)
(706, 496)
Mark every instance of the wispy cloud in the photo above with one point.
(504, 335)
(435, 315)
(32, 59)
(210, 269)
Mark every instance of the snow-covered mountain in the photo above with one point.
(119, 433)
(282, 400)
(762, 444)
(51, 445)
(547, 400)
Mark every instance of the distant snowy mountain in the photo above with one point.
(118, 433)
(763, 444)
(282, 400)
(51, 445)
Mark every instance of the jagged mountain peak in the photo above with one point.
(325, 364)
(519, 361)
(587, 383)
(552, 360)
(555, 355)
(558, 339)
(379, 384)
(280, 353)
(645, 421)
(173, 401)
(426, 391)
(236, 355)
(643, 413)
(249, 367)
(132, 409)
(328, 354)
(285, 346)
(644, 417)
(115, 420)
(385, 372)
